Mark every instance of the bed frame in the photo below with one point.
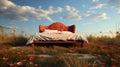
(60, 27)
(57, 26)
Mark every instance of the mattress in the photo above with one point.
(55, 35)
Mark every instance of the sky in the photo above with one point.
(89, 16)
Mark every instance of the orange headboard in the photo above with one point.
(57, 26)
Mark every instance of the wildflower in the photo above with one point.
(31, 58)
(15, 66)
(36, 65)
(11, 64)
(18, 52)
(19, 63)
(113, 60)
(31, 63)
(4, 58)
(99, 55)
(71, 50)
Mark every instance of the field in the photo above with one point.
(105, 49)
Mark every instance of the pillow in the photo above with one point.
(50, 31)
(65, 32)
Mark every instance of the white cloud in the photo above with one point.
(102, 16)
(73, 14)
(6, 3)
(99, 16)
(93, 15)
(68, 8)
(11, 11)
(45, 13)
(59, 9)
(88, 13)
(95, 0)
(118, 11)
(115, 4)
(8, 27)
(98, 6)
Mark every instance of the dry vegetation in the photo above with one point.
(106, 49)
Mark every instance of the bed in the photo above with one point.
(56, 33)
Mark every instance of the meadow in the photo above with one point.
(106, 50)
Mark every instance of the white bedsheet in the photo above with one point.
(56, 36)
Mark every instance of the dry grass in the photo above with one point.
(60, 59)
(105, 48)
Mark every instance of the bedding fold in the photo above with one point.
(56, 36)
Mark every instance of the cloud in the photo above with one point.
(45, 13)
(8, 27)
(99, 16)
(118, 11)
(68, 8)
(73, 14)
(98, 6)
(88, 13)
(115, 4)
(11, 11)
(95, 0)
(93, 15)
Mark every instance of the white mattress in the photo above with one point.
(56, 36)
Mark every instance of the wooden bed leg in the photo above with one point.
(81, 43)
(33, 45)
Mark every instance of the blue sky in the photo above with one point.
(89, 16)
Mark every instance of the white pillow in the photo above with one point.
(50, 31)
(65, 32)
